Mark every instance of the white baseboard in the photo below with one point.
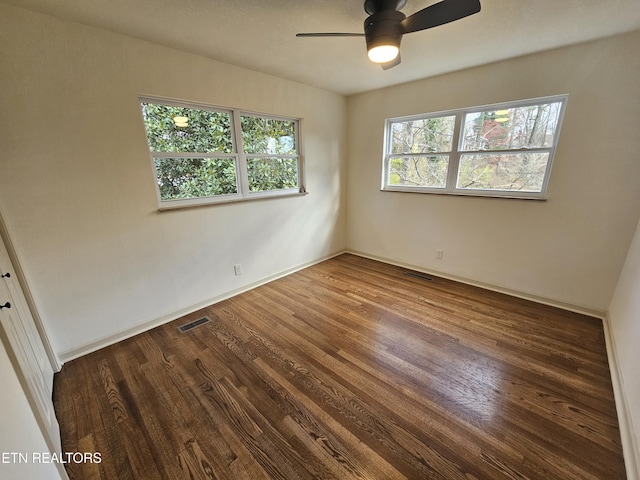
(87, 348)
(514, 293)
(628, 435)
(123, 335)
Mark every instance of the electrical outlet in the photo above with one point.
(439, 254)
(237, 269)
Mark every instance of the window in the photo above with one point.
(503, 150)
(204, 154)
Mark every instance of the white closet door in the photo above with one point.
(26, 344)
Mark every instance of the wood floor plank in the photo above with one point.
(350, 369)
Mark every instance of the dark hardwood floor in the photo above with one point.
(350, 370)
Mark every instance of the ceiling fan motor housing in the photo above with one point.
(386, 24)
(384, 28)
(375, 6)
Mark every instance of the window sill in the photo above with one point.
(480, 193)
(212, 201)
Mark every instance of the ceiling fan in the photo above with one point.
(386, 24)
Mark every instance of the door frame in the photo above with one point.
(15, 261)
(52, 440)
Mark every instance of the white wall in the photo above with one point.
(624, 321)
(569, 249)
(77, 185)
(20, 431)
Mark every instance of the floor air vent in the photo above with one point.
(191, 325)
(420, 275)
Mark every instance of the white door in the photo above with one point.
(26, 344)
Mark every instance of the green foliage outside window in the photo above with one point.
(270, 139)
(206, 131)
(207, 164)
(181, 178)
(272, 173)
(268, 135)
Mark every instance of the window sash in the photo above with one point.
(190, 156)
(249, 160)
(454, 156)
(416, 171)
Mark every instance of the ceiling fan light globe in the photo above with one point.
(383, 53)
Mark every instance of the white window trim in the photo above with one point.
(454, 155)
(242, 178)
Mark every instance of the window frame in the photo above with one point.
(456, 152)
(243, 192)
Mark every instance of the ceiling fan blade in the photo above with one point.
(391, 64)
(330, 34)
(440, 13)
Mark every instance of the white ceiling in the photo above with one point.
(260, 34)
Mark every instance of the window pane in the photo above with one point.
(507, 172)
(202, 131)
(419, 171)
(180, 178)
(532, 126)
(268, 136)
(272, 173)
(427, 135)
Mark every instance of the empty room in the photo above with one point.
(378, 239)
